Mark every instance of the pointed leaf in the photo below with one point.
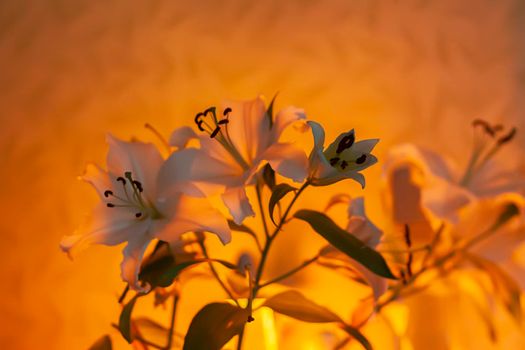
(269, 111)
(346, 242)
(505, 288)
(214, 325)
(124, 323)
(278, 193)
(103, 343)
(268, 175)
(240, 228)
(293, 304)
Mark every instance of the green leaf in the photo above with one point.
(293, 304)
(269, 111)
(346, 242)
(167, 277)
(506, 289)
(269, 176)
(214, 325)
(278, 193)
(124, 323)
(104, 343)
(157, 264)
(241, 228)
(357, 335)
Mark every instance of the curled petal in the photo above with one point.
(182, 136)
(287, 160)
(130, 266)
(236, 200)
(284, 118)
(194, 215)
(97, 178)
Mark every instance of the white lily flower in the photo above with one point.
(444, 189)
(240, 140)
(343, 159)
(135, 208)
(361, 227)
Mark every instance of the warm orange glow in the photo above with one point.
(406, 71)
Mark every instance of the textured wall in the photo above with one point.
(72, 70)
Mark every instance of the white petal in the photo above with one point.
(142, 159)
(318, 133)
(444, 200)
(363, 146)
(236, 200)
(130, 266)
(181, 136)
(195, 173)
(287, 160)
(194, 215)
(284, 118)
(97, 178)
(248, 127)
(109, 226)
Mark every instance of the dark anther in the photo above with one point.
(199, 121)
(138, 185)
(486, 126)
(110, 205)
(108, 193)
(138, 215)
(250, 318)
(344, 164)
(497, 128)
(223, 121)
(215, 132)
(334, 161)
(361, 159)
(346, 142)
(121, 179)
(507, 137)
(226, 111)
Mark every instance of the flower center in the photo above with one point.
(338, 161)
(132, 198)
(486, 145)
(208, 122)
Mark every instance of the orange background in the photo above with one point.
(70, 71)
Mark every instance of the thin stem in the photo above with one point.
(123, 295)
(172, 322)
(261, 209)
(270, 239)
(239, 341)
(291, 272)
(216, 274)
(433, 244)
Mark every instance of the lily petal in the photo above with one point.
(236, 200)
(182, 136)
(284, 118)
(287, 160)
(130, 266)
(194, 215)
(195, 173)
(142, 159)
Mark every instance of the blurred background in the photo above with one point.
(71, 71)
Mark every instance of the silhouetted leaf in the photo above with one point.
(269, 176)
(103, 343)
(269, 111)
(278, 193)
(124, 323)
(156, 264)
(241, 228)
(292, 303)
(214, 325)
(346, 242)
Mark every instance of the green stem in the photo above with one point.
(271, 238)
(216, 274)
(291, 272)
(261, 210)
(172, 322)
